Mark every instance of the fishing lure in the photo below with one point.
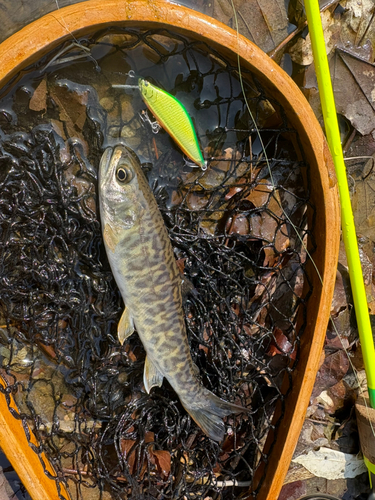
(172, 115)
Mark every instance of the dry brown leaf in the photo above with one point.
(197, 200)
(58, 127)
(128, 450)
(264, 22)
(126, 447)
(38, 102)
(265, 225)
(181, 265)
(238, 224)
(333, 369)
(149, 437)
(301, 52)
(363, 201)
(354, 87)
(163, 461)
(235, 189)
(281, 345)
(72, 107)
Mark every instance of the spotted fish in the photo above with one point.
(143, 264)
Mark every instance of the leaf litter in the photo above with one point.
(349, 31)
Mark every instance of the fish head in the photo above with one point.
(119, 175)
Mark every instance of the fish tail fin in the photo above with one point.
(208, 413)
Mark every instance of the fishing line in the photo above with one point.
(76, 41)
(63, 24)
(286, 215)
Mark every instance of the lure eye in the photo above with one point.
(124, 175)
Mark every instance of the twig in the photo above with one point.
(239, 484)
(349, 141)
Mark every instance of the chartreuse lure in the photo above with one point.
(173, 117)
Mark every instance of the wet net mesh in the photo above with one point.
(236, 230)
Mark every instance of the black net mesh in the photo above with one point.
(237, 231)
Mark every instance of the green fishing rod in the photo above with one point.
(347, 219)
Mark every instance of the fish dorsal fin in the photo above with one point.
(151, 376)
(125, 326)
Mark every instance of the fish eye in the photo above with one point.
(124, 175)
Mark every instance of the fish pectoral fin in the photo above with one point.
(110, 237)
(151, 376)
(125, 326)
(196, 370)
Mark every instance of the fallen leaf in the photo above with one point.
(333, 369)
(58, 127)
(38, 102)
(293, 491)
(236, 189)
(342, 323)
(301, 52)
(181, 265)
(149, 437)
(264, 22)
(197, 200)
(296, 12)
(238, 224)
(281, 345)
(126, 447)
(72, 107)
(342, 295)
(265, 225)
(129, 449)
(354, 77)
(163, 461)
(340, 394)
(332, 464)
(363, 201)
(346, 30)
(310, 438)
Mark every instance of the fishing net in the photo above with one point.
(238, 230)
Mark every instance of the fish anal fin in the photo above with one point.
(151, 376)
(125, 326)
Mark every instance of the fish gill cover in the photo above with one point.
(79, 391)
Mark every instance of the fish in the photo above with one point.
(142, 261)
(172, 115)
